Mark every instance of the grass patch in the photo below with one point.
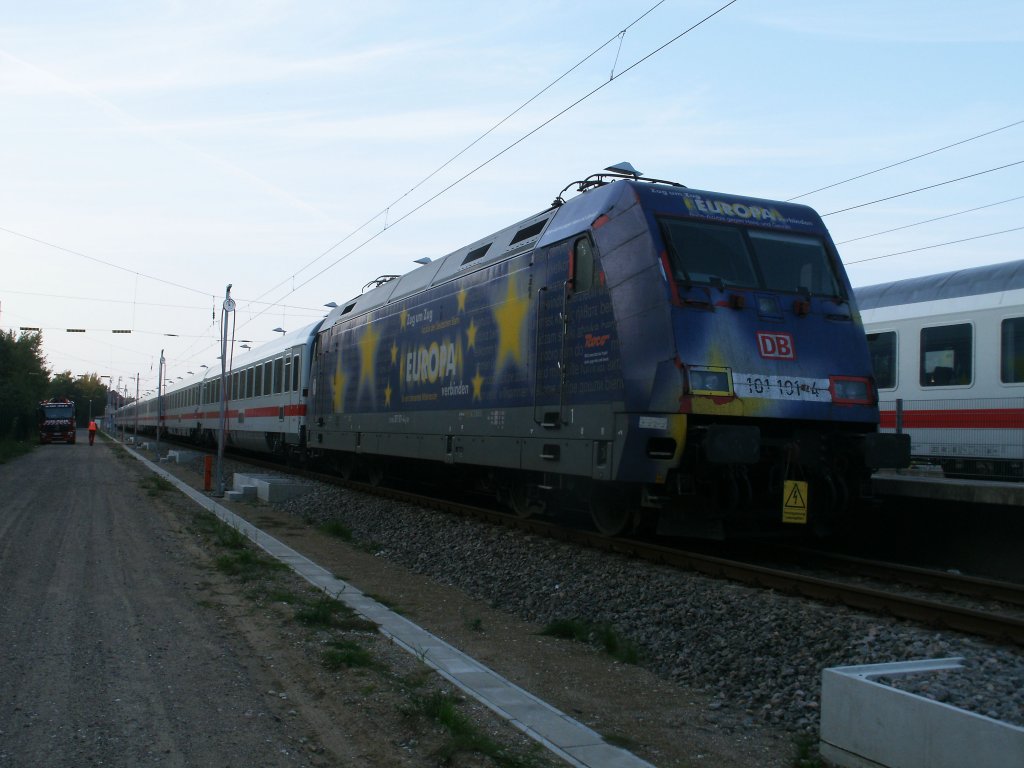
(623, 742)
(463, 735)
(601, 635)
(328, 612)
(12, 449)
(275, 595)
(155, 485)
(320, 613)
(807, 754)
(247, 564)
(337, 529)
(346, 654)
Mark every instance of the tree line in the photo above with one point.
(25, 381)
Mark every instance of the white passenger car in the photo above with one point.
(948, 356)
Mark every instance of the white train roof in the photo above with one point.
(300, 337)
(976, 281)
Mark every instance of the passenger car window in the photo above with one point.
(1011, 365)
(882, 348)
(947, 353)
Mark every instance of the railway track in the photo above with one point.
(888, 594)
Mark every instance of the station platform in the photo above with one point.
(932, 485)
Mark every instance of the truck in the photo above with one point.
(56, 418)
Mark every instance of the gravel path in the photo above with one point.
(758, 654)
(106, 655)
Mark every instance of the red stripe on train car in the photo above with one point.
(960, 418)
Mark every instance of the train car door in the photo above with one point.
(565, 306)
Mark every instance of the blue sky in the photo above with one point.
(151, 153)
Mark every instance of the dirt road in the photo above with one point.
(107, 656)
(121, 644)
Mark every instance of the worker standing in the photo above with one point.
(92, 432)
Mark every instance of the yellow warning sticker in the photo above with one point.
(794, 502)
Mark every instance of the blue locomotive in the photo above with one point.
(665, 358)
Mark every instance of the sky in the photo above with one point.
(153, 153)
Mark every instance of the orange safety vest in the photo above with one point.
(92, 426)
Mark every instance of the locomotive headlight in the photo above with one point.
(851, 390)
(707, 380)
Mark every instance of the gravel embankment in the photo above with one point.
(757, 653)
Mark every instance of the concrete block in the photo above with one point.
(866, 723)
(181, 457)
(270, 488)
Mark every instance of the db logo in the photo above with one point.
(778, 346)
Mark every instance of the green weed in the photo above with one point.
(348, 654)
(602, 635)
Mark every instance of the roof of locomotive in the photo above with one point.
(565, 219)
(993, 278)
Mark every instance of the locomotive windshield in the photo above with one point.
(718, 254)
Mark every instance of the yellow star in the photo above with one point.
(462, 300)
(509, 315)
(387, 395)
(394, 353)
(339, 387)
(367, 354)
(471, 335)
(478, 385)
(403, 316)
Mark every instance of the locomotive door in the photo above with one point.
(567, 271)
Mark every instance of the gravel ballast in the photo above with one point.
(757, 653)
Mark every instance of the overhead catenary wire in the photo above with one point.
(498, 154)
(103, 262)
(929, 221)
(385, 211)
(93, 299)
(922, 189)
(907, 160)
(936, 245)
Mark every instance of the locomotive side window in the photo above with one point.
(1011, 367)
(295, 373)
(882, 347)
(258, 379)
(268, 374)
(708, 253)
(278, 375)
(947, 352)
(287, 373)
(582, 265)
(794, 263)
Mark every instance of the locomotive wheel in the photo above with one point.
(522, 502)
(346, 466)
(610, 512)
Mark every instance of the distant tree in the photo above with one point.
(24, 381)
(87, 391)
(91, 396)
